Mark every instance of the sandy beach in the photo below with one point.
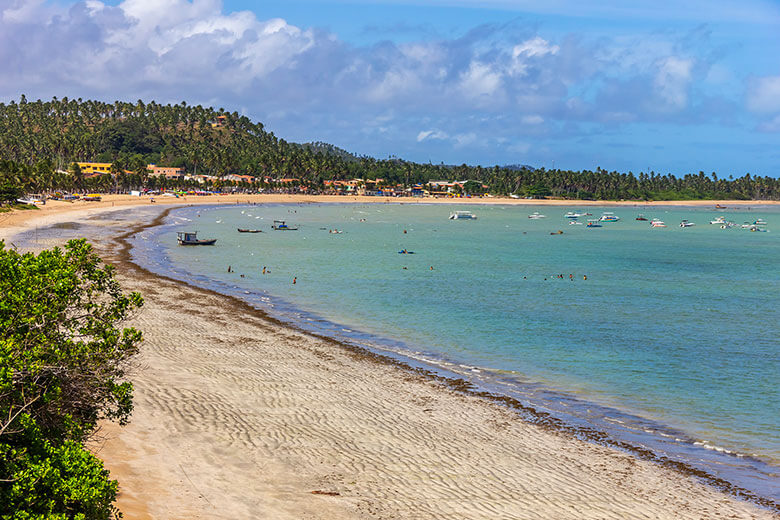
(239, 416)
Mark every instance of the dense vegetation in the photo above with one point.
(62, 364)
(39, 138)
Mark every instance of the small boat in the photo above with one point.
(718, 206)
(536, 215)
(190, 238)
(571, 214)
(462, 215)
(405, 252)
(759, 222)
(242, 230)
(559, 232)
(608, 217)
(335, 232)
(594, 223)
(574, 223)
(685, 223)
(641, 217)
(720, 220)
(94, 197)
(757, 228)
(281, 225)
(657, 223)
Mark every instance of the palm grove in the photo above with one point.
(40, 141)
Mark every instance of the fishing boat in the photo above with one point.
(641, 217)
(281, 225)
(462, 215)
(686, 223)
(536, 215)
(657, 223)
(190, 238)
(608, 217)
(242, 230)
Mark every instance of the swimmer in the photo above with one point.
(229, 270)
(584, 276)
(431, 268)
(295, 280)
(263, 269)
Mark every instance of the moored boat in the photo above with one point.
(641, 217)
(190, 238)
(686, 223)
(608, 216)
(536, 215)
(720, 220)
(462, 215)
(242, 230)
(594, 223)
(657, 223)
(281, 225)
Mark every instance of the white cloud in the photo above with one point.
(672, 81)
(763, 95)
(532, 120)
(431, 134)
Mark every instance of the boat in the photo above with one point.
(462, 215)
(405, 252)
(685, 223)
(574, 223)
(94, 197)
(594, 223)
(281, 225)
(190, 238)
(335, 232)
(759, 222)
(718, 206)
(657, 223)
(641, 217)
(571, 214)
(720, 220)
(242, 230)
(608, 217)
(757, 228)
(559, 232)
(536, 215)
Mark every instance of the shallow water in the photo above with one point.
(670, 343)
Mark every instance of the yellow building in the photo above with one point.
(88, 168)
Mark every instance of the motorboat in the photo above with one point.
(641, 217)
(608, 217)
(719, 221)
(281, 225)
(242, 230)
(759, 222)
(190, 238)
(657, 223)
(574, 223)
(536, 215)
(686, 223)
(462, 215)
(594, 223)
(571, 214)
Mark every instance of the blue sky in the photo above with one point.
(573, 84)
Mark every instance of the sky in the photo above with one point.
(635, 85)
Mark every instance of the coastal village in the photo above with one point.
(176, 180)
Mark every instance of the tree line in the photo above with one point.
(39, 141)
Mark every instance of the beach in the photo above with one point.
(240, 416)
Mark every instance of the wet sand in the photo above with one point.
(238, 416)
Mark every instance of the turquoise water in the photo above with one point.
(671, 341)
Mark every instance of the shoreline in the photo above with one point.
(543, 426)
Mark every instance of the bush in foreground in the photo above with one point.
(63, 359)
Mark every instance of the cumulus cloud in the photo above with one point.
(764, 95)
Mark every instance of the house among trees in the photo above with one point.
(165, 171)
(90, 168)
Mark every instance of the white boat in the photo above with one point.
(720, 220)
(657, 223)
(759, 222)
(685, 223)
(608, 217)
(462, 215)
(536, 215)
(574, 223)
(571, 214)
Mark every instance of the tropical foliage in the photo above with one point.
(62, 364)
(40, 140)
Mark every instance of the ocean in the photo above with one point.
(665, 338)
